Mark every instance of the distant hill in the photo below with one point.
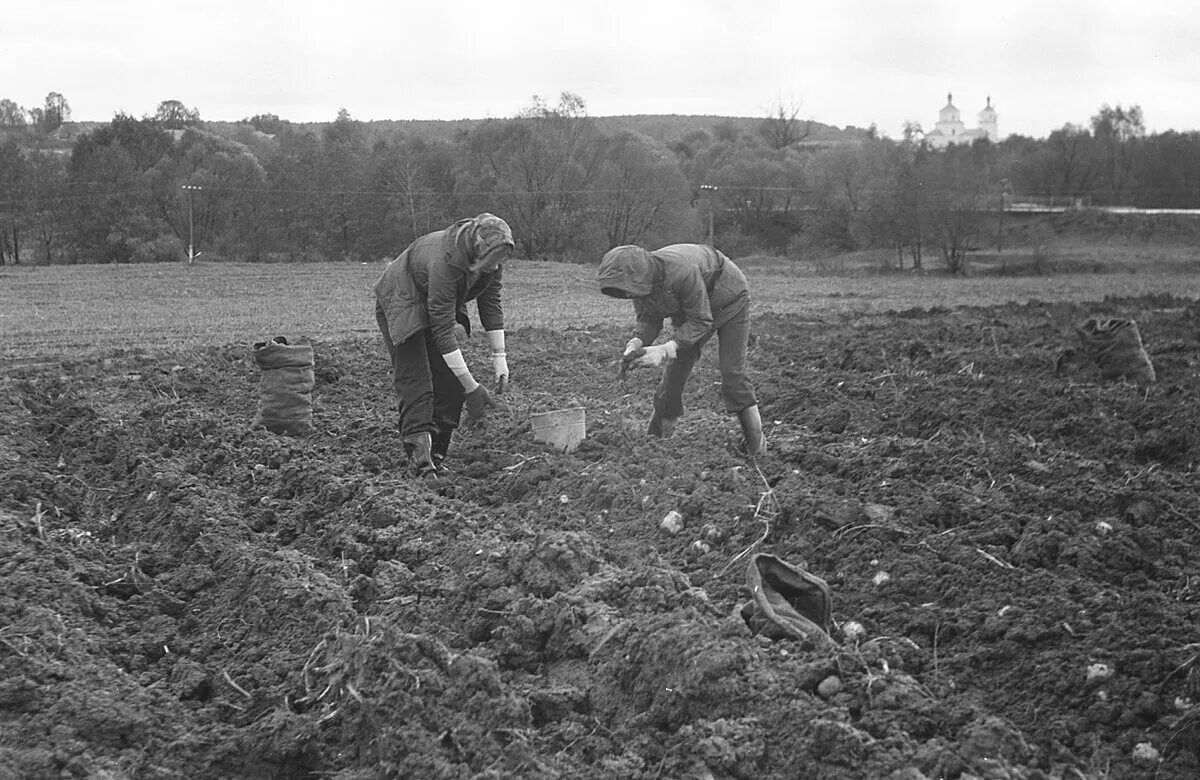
(662, 127)
(665, 128)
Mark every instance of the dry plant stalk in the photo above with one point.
(765, 510)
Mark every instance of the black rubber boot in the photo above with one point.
(441, 445)
(419, 448)
(756, 443)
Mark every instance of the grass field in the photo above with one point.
(48, 311)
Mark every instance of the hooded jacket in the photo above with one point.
(430, 283)
(693, 284)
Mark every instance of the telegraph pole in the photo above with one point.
(709, 191)
(191, 244)
(1000, 234)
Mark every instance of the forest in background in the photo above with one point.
(171, 186)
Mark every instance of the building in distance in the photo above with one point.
(950, 129)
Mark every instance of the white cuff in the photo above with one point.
(496, 339)
(458, 364)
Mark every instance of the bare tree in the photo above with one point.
(1116, 131)
(52, 115)
(1069, 147)
(908, 206)
(953, 203)
(782, 129)
(11, 114)
(913, 133)
(418, 174)
(538, 169)
(636, 186)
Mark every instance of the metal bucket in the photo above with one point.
(562, 429)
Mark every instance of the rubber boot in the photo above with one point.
(419, 448)
(663, 427)
(441, 445)
(756, 443)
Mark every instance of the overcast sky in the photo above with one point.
(1044, 63)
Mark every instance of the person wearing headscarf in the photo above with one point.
(703, 292)
(419, 298)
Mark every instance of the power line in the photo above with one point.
(735, 189)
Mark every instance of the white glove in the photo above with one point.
(499, 356)
(633, 345)
(657, 355)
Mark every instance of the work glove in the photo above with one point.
(499, 358)
(478, 403)
(500, 363)
(655, 356)
(633, 351)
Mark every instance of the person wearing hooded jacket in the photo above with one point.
(703, 292)
(419, 298)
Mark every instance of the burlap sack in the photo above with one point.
(285, 386)
(1116, 346)
(788, 603)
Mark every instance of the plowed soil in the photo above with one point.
(1010, 544)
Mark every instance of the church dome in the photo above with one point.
(949, 112)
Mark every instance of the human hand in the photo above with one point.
(500, 366)
(655, 356)
(479, 401)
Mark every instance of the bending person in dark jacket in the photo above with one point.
(703, 293)
(418, 299)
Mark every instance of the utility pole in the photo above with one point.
(191, 244)
(710, 192)
(1000, 234)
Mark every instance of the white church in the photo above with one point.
(950, 129)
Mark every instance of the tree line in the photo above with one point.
(169, 186)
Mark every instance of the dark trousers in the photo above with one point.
(430, 395)
(733, 339)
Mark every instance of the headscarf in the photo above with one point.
(488, 232)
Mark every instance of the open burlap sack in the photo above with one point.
(284, 386)
(787, 602)
(1116, 346)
